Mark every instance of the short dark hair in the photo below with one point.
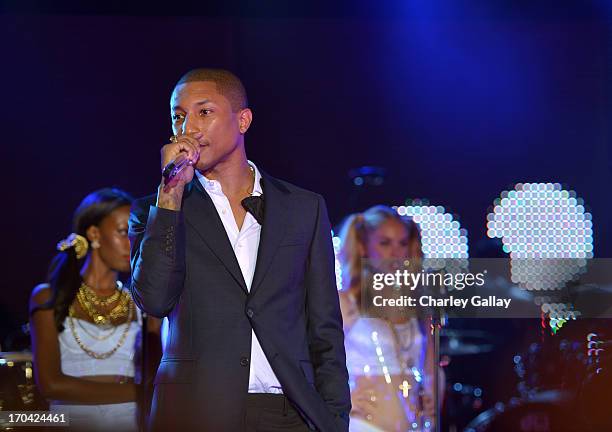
(228, 84)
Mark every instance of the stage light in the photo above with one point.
(441, 235)
(541, 220)
(549, 237)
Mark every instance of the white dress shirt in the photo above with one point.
(245, 243)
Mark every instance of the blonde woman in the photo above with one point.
(390, 358)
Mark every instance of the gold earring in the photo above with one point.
(95, 244)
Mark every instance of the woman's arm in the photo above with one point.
(348, 309)
(51, 382)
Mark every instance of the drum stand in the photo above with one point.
(436, 324)
(438, 319)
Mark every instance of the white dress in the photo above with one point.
(380, 352)
(76, 362)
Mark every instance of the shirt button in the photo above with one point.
(250, 313)
(244, 361)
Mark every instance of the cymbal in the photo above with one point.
(465, 342)
(18, 356)
(455, 348)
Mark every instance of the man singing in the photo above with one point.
(242, 265)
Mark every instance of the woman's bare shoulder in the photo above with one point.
(41, 294)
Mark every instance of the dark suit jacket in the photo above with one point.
(183, 267)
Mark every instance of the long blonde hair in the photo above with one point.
(354, 237)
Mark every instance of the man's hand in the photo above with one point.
(169, 195)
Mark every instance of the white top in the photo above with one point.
(76, 362)
(376, 347)
(373, 344)
(245, 243)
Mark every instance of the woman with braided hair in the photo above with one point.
(85, 327)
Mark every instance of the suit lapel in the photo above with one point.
(201, 214)
(273, 229)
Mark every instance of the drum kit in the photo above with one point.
(556, 383)
(17, 388)
(561, 383)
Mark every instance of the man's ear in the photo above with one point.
(245, 117)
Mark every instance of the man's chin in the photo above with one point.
(202, 167)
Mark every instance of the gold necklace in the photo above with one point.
(104, 318)
(93, 336)
(98, 300)
(91, 353)
(250, 190)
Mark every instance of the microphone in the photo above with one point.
(175, 166)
